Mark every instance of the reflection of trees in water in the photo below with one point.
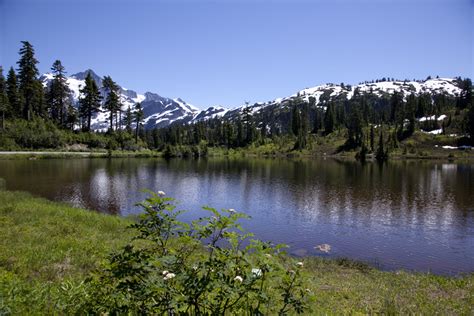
(402, 192)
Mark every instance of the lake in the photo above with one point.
(414, 215)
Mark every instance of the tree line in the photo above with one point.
(370, 122)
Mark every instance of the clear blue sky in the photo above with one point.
(226, 52)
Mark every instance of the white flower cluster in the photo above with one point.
(168, 275)
(161, 193)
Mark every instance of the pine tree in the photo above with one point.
(72, 117)
(138, 115)
(89, 102)
(249, 127)
(30, 87)
(112, 102)
(411, 112)
(354, 127)
(13, 94)
(381, 154)
(329, 119)
(128, 120)
(372, 138)
(4, 105)
(295, 121)
(59, 95)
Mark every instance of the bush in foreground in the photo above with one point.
(208, 267)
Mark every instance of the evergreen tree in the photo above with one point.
(72, 117)
(128, 120)
(4, 105)
(112, 101)
(14, 98)
(381, 154)
(89, 102)
(410, 113)
(329, 119)
(139, 115)
(466, 94)
(372, 138)
(59, 95)
(296, 121)
(249, 126)
(30, 87)
(355, 127)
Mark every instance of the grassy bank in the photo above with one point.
(48, 248)
(420, 146)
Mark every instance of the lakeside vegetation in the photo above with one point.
(48, 249)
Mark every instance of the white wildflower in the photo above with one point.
(231, 210)
(299, 264)
(169, 276)
(161, 193)
(165, 272)
(257, 272)
(268, 255)
(238, 278)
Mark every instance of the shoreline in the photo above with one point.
(48, 246)
(450, 155)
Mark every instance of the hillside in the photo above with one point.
(163, 111)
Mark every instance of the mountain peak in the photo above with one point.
(82, 76)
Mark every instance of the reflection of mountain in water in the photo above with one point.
(402, 214)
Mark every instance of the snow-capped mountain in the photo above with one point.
(159, 111)
(162, 111)
(327, 92)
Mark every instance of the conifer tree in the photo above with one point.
(14, 98)
(4, 105)
(128, 120)
(295, 121)
(372, 138)
(381, 154)
(329, 119)
(112, 101)
(30, 87)
(138, 115)
(89, 102)
(59, 95)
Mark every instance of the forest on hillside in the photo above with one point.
(37, 116)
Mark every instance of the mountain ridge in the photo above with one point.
(163, 111)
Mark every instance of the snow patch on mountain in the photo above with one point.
(162, 111)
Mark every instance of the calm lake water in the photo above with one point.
(410, 215)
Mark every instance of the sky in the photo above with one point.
(228, 52)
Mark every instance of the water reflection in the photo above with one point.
(414, 215)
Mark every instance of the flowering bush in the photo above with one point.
(208, 267)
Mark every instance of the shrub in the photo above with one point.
(210, 266)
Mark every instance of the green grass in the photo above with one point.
(47, 249)
(45, 246)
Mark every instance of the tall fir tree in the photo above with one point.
(58, 95)
(89, 102)
(4, 104)
(30, 87)
(329, 119)
(138, 116)
(14, 98)
(112, 101)
(128, 120)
